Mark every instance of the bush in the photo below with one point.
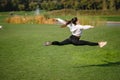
(30, 19)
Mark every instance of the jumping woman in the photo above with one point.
(76, 30)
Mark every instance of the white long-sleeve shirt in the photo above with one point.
(76, 30)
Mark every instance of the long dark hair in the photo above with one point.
(73, 20)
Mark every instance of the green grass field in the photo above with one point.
(23, 56)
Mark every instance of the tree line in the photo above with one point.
(29, 5)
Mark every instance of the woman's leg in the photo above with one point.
(82, 42)
(75, 40)
(65, 42)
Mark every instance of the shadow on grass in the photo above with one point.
(102, 65)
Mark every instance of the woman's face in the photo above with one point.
(78, 22)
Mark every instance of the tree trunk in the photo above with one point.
(104, 5)
(112, 5)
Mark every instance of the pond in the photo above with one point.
(113, 24)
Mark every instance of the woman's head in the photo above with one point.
(74, 20)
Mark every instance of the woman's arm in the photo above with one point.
(86, 26)
(60, 21)
(63, 22)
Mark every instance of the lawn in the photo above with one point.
(111, 18)
(23, 56)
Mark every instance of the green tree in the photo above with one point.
(65, 5)
(14, 4)
(104, 5)
(3, 4)
(83, 4)
(32, 5)
(44, 5)
(112, 4)
(21, 7)
(117, 4)
(76, 5)
(8, 5)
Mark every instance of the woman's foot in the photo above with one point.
(102, 44)
(47, 43)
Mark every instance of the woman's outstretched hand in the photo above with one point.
(60, 21)
(92, 27)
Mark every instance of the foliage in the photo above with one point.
(32, 5)
(14, 5)
(83, 12)
(16, 19)
(21, 7)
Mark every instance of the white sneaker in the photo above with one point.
(47, 43)
(102, 44)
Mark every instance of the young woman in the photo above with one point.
(76, 30)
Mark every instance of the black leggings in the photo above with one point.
(75, 41)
